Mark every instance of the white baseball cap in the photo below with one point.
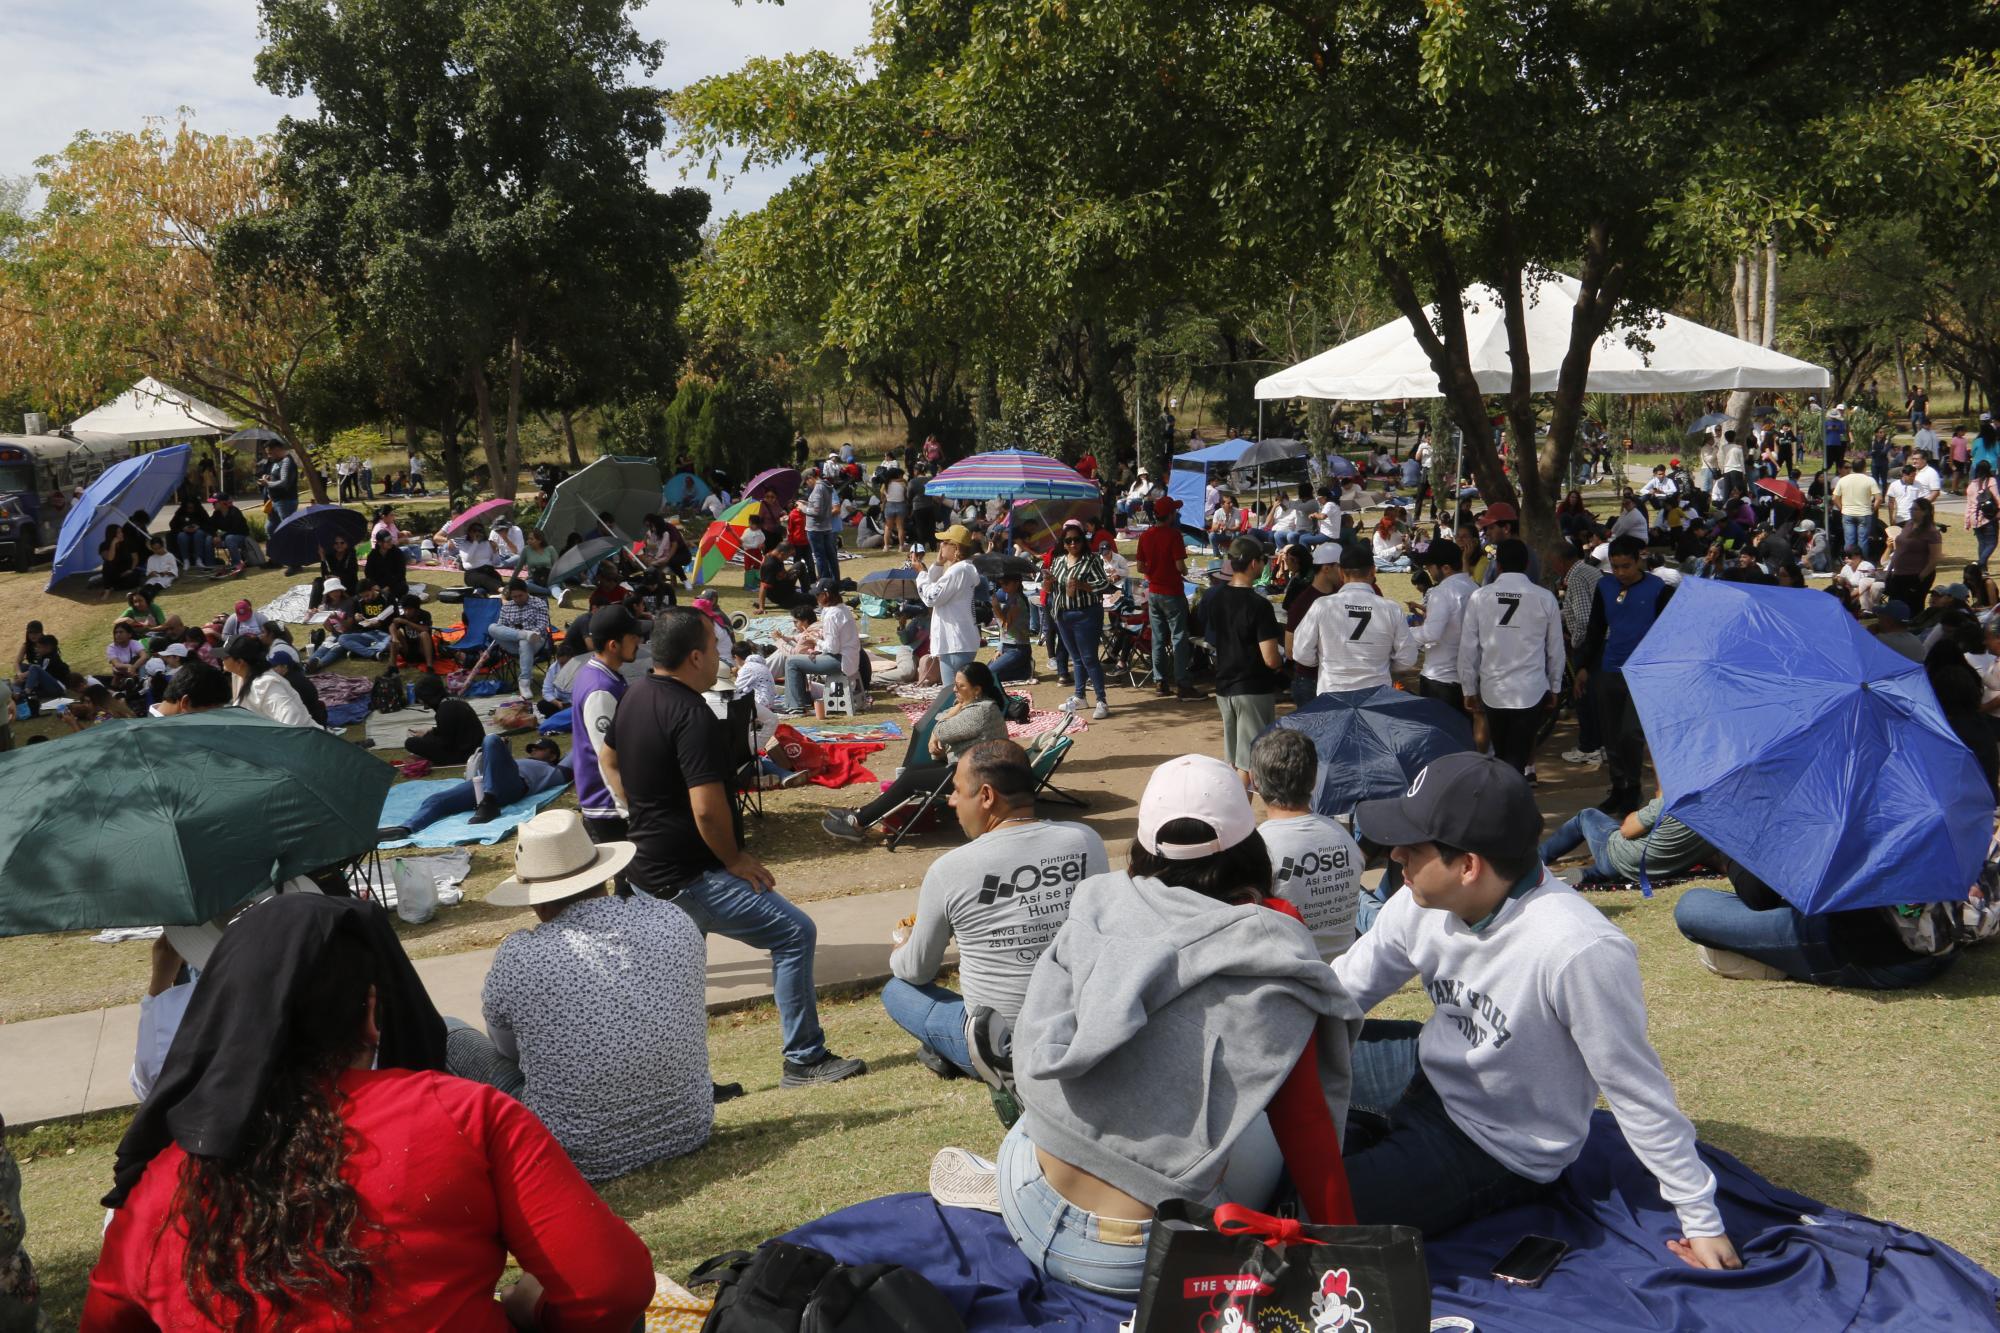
(174, 650)
(1195, 786)
(1326, 553)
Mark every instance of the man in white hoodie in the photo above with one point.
(1536, 1009)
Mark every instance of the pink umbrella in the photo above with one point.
(784, 481)
(483, 512)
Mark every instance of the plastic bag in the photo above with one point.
(416, 893)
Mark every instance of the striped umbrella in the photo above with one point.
(722, 545)
(1011, 474)
(1037, 523)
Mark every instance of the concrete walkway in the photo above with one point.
(73, 1063)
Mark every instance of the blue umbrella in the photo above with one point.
(1372, 743)
(297, 541)
(1337, 466)
(146, 482)
(1789, 737)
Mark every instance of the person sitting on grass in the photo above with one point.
(1645, 844)
(597, 1017)
(44, 674)
(777, 581)
(1208, 1060)
(1315, 863)
(1536, 1008)
(304, 1161)
(1003, 896)
(126, 655)
(979, 714)
(258, 687)
(161, 566)
(458, 732)
(410, 632)
(285, 661)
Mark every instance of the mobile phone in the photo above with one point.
(1530, 1261)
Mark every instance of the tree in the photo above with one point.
(472, 177)
(119, 278)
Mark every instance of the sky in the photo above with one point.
(108, 64)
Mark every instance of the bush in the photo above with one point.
(737, 423)
(1036, 415)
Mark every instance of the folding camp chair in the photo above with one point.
(1045, 755)
(914, 821)
(746, 795)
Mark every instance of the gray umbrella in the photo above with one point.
(1268, 451)
(1702, 423)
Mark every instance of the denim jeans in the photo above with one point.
(825, 552)
(1798, 945)
(1168, 614)
(1304, 688)
(1591, 826)
(525, 643)
(500, 776)
(362, 643)
(238, 547)
(949, 665)
(1064, 1241)
(282, 510)
(933, 1015)
(39, 681)
(1854, 530)
(1986, 537)
(1424, 1171)
(722, 904)
(194, 547)
(1015, 662)
(1080, 631)
(800, 665)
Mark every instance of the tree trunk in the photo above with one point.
(569, 438)
(505, 484)
(1902, 370)
(451, 456)
(1771, 295)
(489, 443)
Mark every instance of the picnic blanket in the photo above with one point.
(376, 878)
(1040, 721)
(345, 697)
(391, 731)
(456, 830)
(841, 731)
(290, 607)
(845, 763)
(1808, 1267)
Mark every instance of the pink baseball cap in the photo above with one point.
(1195, 786)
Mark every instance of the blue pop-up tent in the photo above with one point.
(143, 483)
(1188, 478)
(1792, 739)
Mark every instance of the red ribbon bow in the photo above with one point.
(1234, 1220)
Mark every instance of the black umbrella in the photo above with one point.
(997, 567)
(297, 541)
(255, 435)
(1268, 451)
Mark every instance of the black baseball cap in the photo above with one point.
(611, 622)
(1473, 802)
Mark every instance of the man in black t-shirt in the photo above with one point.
(673, 754)
(1243, 630)
(458, 732)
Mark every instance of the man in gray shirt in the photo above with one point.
(1315, 864)
(1004, 895)
(1644, 844)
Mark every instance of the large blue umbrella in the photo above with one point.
(146, 482)
(1372, 743)
(297, 541)
(1788, 736)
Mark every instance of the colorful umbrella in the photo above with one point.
(1011, 474)
(722, 545)
(146, 482)
(297, 541)
(483, 512)
(782, 482)
(1035, 524)
(1787, 493)
(1818, 757)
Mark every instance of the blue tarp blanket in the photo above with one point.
(1808, 1268)
(456, 830)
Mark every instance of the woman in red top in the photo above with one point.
(301, 1165)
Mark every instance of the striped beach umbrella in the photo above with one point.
(1011, 474)
(722, 545)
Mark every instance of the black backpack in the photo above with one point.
(785, 1288)
(388, 694)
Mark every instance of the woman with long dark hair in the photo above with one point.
(258, 688)
(302, 1163)
(979, 714)
(1913, 559)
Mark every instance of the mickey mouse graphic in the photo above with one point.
(1227, 1318)
(1338, 1305)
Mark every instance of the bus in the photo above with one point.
(39, 476)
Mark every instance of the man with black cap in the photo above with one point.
(594, 696)
(1536, 1008)
(1354, 636)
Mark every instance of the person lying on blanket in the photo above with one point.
(1644, 843)
(1536, 1008)
(494, 779)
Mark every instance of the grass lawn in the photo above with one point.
(1876, 1103)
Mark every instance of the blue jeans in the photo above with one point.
(949, 665)
(238, 547)
(1169, 621)
(502, 777)
(1423, 1171)
(722, 904)
(825, 553)
(1986, 537)
(362, 643)
(1304, 688)
(800, 665)
(282, 510)
(1854, 531)
(193, 547)
(524, 643)
(1015, 662)
(38, 680)
(1798, 945)
(933, 1015)
(1369, 906)
(1060, 1239)
(1588, 826)
(1080, 631)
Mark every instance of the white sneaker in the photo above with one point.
(1102, 711)
(1071, 704)
(1722, 962)
(961, 1179)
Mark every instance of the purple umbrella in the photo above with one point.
(783, 482)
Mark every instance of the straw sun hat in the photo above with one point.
(555, 859)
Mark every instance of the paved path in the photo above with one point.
(80, 1062)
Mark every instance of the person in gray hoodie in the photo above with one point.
(1173, 1010)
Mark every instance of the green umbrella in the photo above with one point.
(626, 488)
(174, 820)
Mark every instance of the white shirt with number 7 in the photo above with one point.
(1355, 638)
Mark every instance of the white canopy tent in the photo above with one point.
(149, 410)
(1677, 356)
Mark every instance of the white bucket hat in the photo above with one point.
(332, 585)
(555, 859)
